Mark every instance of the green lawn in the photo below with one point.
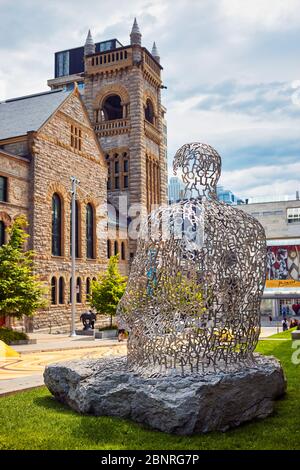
(34, 420)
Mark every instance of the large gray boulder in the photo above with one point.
(174, 403)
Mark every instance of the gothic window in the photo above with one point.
(88, 286)
(53, 290)
(76, 137)
(78, 290)
(149, 111)
(77, 254)
(56, 225)
(117, 185)
(2, 233)
(112, 108)
(90, 231)
(116, 248)
(125, 170)
(108, 249)
(3, 189)
(123, 254)
(61, 290)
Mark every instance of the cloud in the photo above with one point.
(231, 69)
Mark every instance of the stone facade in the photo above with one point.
(121, 160)
(33, 181)
(133, 75)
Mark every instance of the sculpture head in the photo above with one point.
(200, 165)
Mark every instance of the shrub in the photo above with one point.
(8, 335)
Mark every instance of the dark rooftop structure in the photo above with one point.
(71, 61)
(28, 113)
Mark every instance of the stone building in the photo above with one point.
(281, 221)
(121, 86)
(44, 140)
(103, 123)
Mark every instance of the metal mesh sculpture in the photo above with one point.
(192, 303)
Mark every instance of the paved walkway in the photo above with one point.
(27, 371)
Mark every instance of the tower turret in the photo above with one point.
(135, 35)
(155, 52)
(89, 47)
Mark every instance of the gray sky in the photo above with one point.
(232, 68)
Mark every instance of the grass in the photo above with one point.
(34, 420)
(284, 334)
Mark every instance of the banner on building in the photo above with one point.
(283, 266)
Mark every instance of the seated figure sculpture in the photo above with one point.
(192, 302)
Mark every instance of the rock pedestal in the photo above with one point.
(174, 403)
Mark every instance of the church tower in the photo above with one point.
(122, 92)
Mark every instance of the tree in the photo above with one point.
(20, 291)
(108, 290)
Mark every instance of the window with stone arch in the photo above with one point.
(108, 249)
(61, 291)
(125, 163)
(116, 248)
(88, 286)
(53, 290)
(77, 230)
(112, 108)
(2, 233)
(57, 213)
(123, 251)
(78, 290)
(90, 231)
(149, 112)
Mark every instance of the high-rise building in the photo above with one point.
(176, 189)
(227, 196)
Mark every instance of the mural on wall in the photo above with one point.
(283, 266)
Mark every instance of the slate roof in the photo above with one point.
(28, 113)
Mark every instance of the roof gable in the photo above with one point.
(28, 113)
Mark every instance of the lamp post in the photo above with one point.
(73, 254)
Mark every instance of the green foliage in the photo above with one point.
(107, 291)
(20, 292)
(35, 420)
(7, 335)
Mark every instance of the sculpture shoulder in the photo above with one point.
(248, 220)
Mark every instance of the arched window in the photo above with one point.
(53, 291)
(112, 108)
(116, 248)
(123, 253)
(90, 252)
(61, 290)
(88, 286)
(149, 111)
(77, 254)
(78, 290)
(94, 279)
(108, 249)
(2, 233)
(56, 225)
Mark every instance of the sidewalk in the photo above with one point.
(27, 371)
(59, 342)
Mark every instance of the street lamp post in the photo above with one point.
(73, 254)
